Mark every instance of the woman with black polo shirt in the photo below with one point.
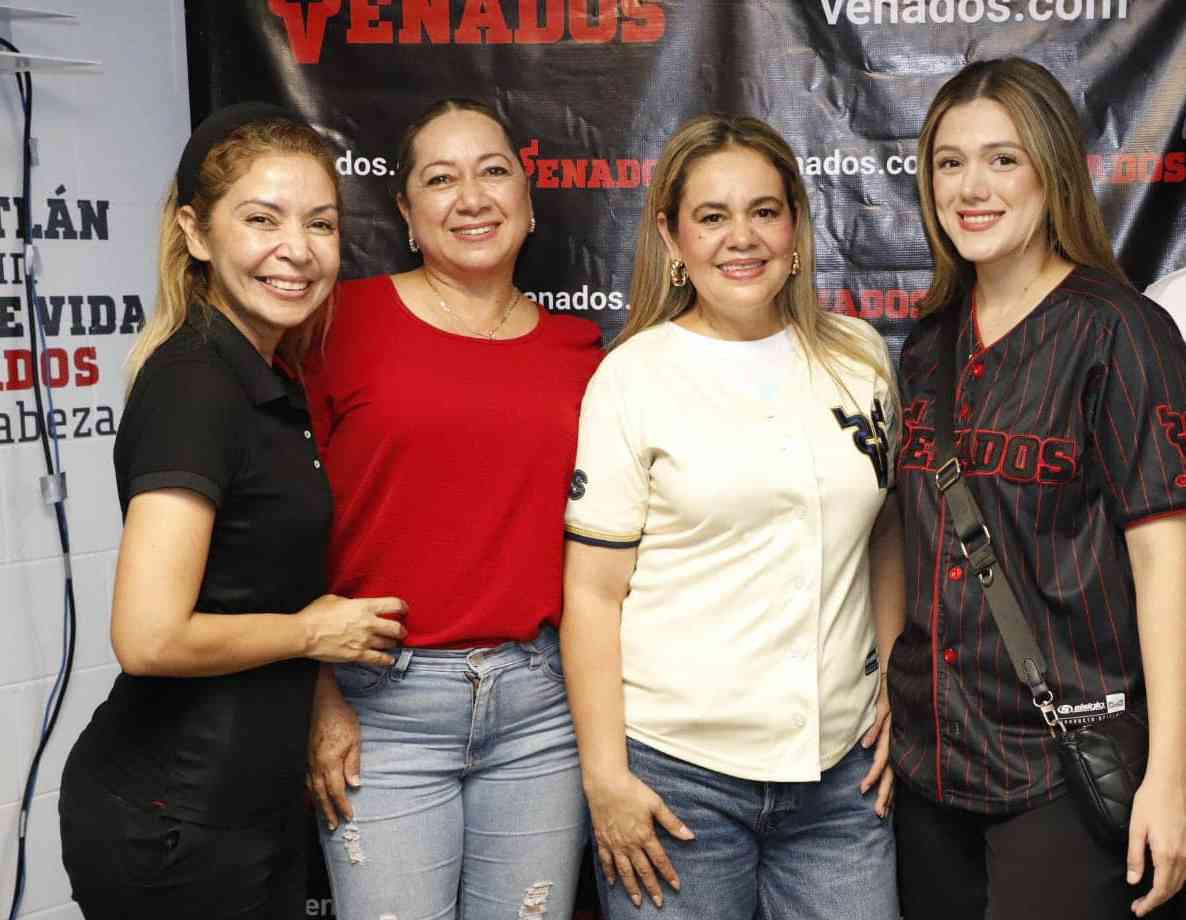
(183, 796)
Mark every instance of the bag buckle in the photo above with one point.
(948, 474)
(1049, 713)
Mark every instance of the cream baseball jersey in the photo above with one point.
(749, 482)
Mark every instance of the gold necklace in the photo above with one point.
(460, 320)
(1025, 290)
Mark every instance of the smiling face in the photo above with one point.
(272, 246)
(988, 194)
(466, 201)
(735, 233)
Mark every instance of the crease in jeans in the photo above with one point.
(352, 841)
(535, 901)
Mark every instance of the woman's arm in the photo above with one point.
(1157, 550)
(623, 808)
(156, 631)
(887, 589)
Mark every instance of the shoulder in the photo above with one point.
(1169, 289)
(1116, 308)
(361, 294)
(641, 349)
(922, 341)
(185, 366)
(865, 333)
(570, 330)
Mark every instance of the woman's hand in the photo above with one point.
(341, 629)
(335, 751)
(1158, 823)
(880, 774)
(624, 811)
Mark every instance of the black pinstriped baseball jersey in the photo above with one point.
(1071, 428)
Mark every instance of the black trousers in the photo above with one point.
(1041, 864)
(126, 861)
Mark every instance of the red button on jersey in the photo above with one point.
(977, 370)
(965, 412)
(955, 573)
(950, 655)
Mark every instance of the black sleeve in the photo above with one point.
(1139, 425)
(183, 427)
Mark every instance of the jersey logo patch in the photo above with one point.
(870, 438)
(1174, 424)
(576, 489)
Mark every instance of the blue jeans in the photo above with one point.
(808, 851)
(471, 803)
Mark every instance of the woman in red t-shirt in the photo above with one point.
(446, 405)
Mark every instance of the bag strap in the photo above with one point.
(973, 534)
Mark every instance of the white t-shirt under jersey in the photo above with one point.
(749, 486)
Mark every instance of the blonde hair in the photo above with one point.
(183, 287)
(1046, 122)
(654, 300)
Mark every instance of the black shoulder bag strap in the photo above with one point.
(974, 537)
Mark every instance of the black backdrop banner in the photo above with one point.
(592, 89)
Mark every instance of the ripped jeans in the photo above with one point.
(471, 803)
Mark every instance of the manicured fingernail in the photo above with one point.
(356, 781)
(658, 899)
(637, 899)
(333, 827)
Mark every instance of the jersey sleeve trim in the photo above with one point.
(600, 538)
(1155, 516)
(175, 479)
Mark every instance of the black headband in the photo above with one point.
(213, 131)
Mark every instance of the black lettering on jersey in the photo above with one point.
(576, 489)
(870, 438)
(1174, 423)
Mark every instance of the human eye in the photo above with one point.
(712, 217)
(322, 225)
(262, 221)
(769, 212)
(496, 169)
(440, 179)
(947, 163)
(1006, 160)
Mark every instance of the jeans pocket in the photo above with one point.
(552, 666)
(355, 680)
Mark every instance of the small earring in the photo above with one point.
(677, 271)
(795, 266)
(412, 242)
(531, 226)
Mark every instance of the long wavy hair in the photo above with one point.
(654, 300)
(184, 283)
(1048, 126)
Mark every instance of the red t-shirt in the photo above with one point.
(450, 459)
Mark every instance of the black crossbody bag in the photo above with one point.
(1104, 762)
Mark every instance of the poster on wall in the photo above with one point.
(592, 88)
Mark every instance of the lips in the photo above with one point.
(286, 285)
(742, 269)
(977, 221)
(475, 232)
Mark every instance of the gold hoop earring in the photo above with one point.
(412, 242)
(677, 272)
(795, 265)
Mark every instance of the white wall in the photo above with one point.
(112, 135)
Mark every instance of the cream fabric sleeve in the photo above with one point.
(607, 501)
(886, 396)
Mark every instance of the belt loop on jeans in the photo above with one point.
(400, 668)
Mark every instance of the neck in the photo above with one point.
(731, 326)
(1017, 283)
(480, 296)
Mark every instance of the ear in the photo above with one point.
(402, 203)
(188, 221)
(669, 239)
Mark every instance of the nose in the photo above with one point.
(973, 182)
(295, 244)
(741, 234)
(471, 195)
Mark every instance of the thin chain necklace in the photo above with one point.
(460, 320)
(1021, 298)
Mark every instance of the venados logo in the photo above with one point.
(491, 22)
(584, 172)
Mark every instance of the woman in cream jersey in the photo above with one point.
(733, 580)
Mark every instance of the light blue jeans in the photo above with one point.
(471, 803)
(767, 851)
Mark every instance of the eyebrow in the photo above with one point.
(484, 156)
(992, 145)
(273, 206)
(721, 206)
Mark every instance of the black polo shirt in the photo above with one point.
(208, 414)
